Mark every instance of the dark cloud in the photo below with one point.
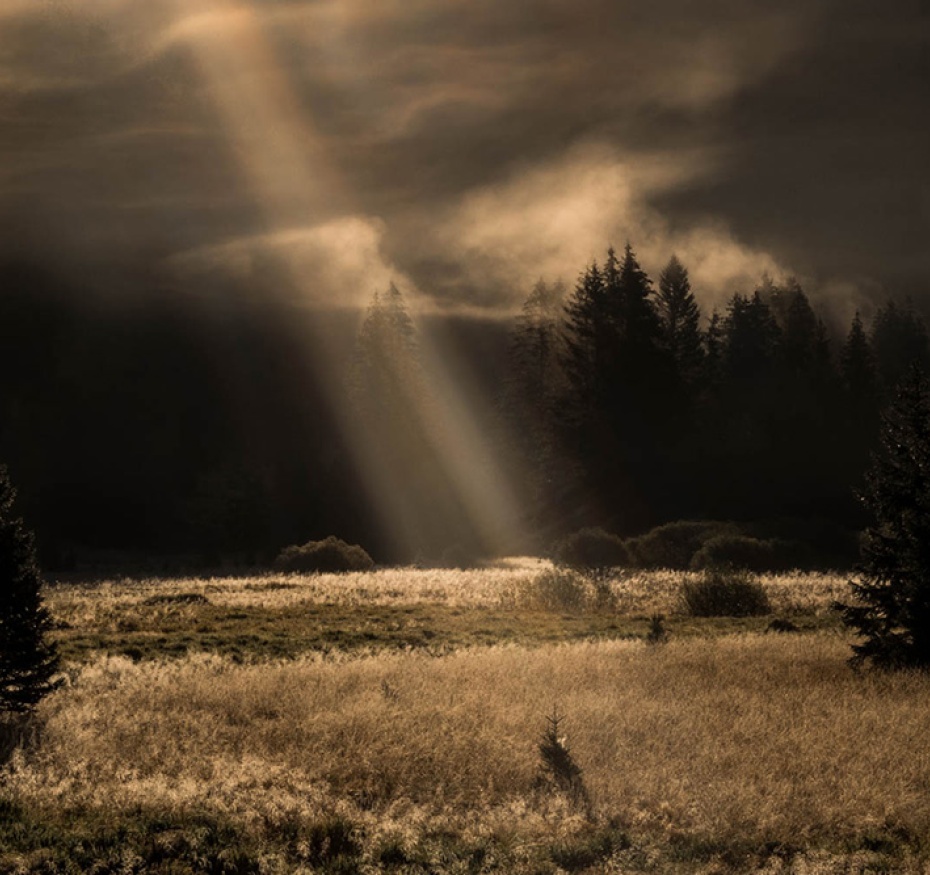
(467, 147)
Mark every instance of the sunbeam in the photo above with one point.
(287, 168)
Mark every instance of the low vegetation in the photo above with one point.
(725, 593)
(763, 547)
(514, 719)
(327, 556)
(591, 548)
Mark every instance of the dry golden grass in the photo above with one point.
(705, 752)
(638, 593)
(752, 738)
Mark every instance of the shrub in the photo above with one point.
(561, 589)
(725, 593)
(590, 549)
(329, 555)
(674, 544)
(751, 554)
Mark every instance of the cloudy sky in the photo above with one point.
(467, 147)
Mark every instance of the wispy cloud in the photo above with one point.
(335, 264)
(553, 220)
(488, 142)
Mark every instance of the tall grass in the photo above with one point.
(703, 749)
(641, 593)
(765, 738)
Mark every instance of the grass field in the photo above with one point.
(390, 722)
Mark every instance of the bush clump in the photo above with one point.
(750, 554)
(561, 589)
(725, 593)
(329, 555)
(674, 544)
(591, 548)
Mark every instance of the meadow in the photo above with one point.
(391, 721)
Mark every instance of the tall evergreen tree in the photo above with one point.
(386, 372)
(713, 351)
(750, 335)
(899, 339)
(891, 607)
(805, 403)
(620, 382)
(531, 390)
(534, 350)
(586, 346)
(741, 438)
(681, 321)
(28, 660)
(857, 362)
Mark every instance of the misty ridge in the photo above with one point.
(176, 424)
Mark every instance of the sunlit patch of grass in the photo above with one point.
(635, 592)
(283, 616)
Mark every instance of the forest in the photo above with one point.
(169, 426)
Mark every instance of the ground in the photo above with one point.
(391, 721)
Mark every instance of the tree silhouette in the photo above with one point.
(386, 368)
(899, 339)
(857, 364)
(28, 661)
(681, 321)
(891, 608)
(531, 390)
(622, 389)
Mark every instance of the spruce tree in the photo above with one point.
(857, 363)
(530, 391)
(28, 660)
(681, 320)
(622, 409)
(891, 606)
(899, 339)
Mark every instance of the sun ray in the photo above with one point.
(286, 165)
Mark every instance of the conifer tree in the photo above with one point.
(891, 607)
(385, 373)
(681, 318)
(586, 344)
(899, 339)
(713, 350)
(622, 393)
(531, 389)
(857, 362)
(534, 349)
(28, 660)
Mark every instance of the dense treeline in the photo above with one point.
(646, 410)
(155, 423)
(166, 423)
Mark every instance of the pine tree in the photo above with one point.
(899, 339)
(587, 340)
(622, 408)
(857, 362)
(531, 388)
(28, 660)
(891, 607)
(386, 374)
(681, 319)
(751, 337)
(713, 351)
